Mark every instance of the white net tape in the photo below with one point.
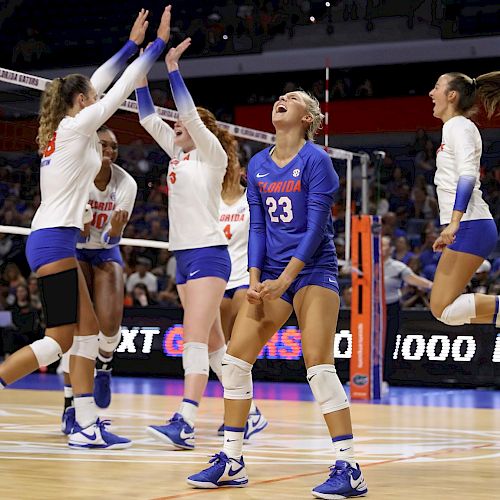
(38, 83)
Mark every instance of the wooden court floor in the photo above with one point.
(406, 452)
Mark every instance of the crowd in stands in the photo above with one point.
(402, 193)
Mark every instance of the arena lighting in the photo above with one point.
(286, 345)
(327, 4)
(312, 19)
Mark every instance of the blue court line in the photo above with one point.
(284, 391)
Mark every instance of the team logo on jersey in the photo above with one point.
(113, 196)
(296, 172)
(440, 148)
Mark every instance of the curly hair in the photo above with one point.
(229, 143)
(56, 99)
(485, 88)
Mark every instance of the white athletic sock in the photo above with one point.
(85, 410)
(3, 385)
(344, 448)
(253, 408)
(188, 410)
(233, 442)
(68, 391)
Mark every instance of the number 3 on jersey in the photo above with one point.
(286, 205)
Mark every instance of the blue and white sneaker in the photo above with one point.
(345, 481)
(102, 388)
(68, 420)
(255, 423)
(96, 437)
(225, 472)
(177, 432)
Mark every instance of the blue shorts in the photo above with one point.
(201, 263)
(478, 237)
(98, 256)
(229, 294)
(318, 277)
(50, 245)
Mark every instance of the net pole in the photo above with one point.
(327, 102)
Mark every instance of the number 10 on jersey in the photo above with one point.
(283, 205)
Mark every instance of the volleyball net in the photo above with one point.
(19, 102)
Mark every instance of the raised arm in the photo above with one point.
(205, 141)
(105, 74)
(159, 130)
(92, 117)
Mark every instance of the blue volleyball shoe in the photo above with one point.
(224, 472)
(102, 388)
(177, 432)
(345, 481)
(95, 436)
(256, 422)
(68, 420)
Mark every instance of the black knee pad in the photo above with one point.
(59, 296)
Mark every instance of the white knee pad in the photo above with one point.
(46, 351)
(85, 346)
(236, 378)
(215, 361)
(65, 361)
(195, 358)
(327, 388)
(460, 311)
(109, 344)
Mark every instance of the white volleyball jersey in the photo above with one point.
(234, 221)
(459, 154)
(73, 157)
(120, 194)
(194, 183)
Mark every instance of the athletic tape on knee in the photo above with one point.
(65, 361)
(59, 297)
(85, 346)
(215, 361)
(46, 351)
(195, 358)
(236, 378)
(109, 344)
(460, 311)
(327, 388)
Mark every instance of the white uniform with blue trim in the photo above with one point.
(234, 221)
(194, 178)
(73, 158)
(120, 194)
(459, 155)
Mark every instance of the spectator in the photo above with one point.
(424, 206)
(141, 296)
(13, 276)
(421, 139)
(26, 321)
(402, 250)
(425, 162)
(144, 276)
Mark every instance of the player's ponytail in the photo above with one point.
(56, 99)
(485, 88)
(229, 144)
(314, 109)
(488, 90)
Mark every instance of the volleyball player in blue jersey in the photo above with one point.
(293, 266)
(70, 114)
